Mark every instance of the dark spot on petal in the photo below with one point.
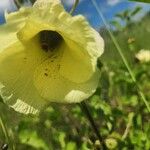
(45, 74)
(58, 66)
(55, 57)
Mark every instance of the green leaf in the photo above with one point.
(144, 1)
(31, 138)
(120, 16)
(61, 138)
(71, 146)
(116, 24)
(136, 11)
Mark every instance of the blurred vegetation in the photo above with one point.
(120, 115)
(126, 18)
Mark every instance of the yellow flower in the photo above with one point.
(47, 55)
(143, 55)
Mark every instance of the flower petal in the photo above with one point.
(83, 45)
(14, 21)
(16, 75)
(42, 4)
(18, 16)
(31, 77)
(55, 88)
(7, 36)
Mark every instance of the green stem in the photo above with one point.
(127, 130)
(122, 55)
(4, 129)
(85, 109)
(74, 6)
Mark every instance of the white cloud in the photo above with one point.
(69, 3)
(6, 5)
(112, 2)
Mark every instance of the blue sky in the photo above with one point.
(108, 7)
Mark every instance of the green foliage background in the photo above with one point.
(117, 109)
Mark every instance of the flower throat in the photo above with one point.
(50, 40)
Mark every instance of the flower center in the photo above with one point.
(50, 40)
